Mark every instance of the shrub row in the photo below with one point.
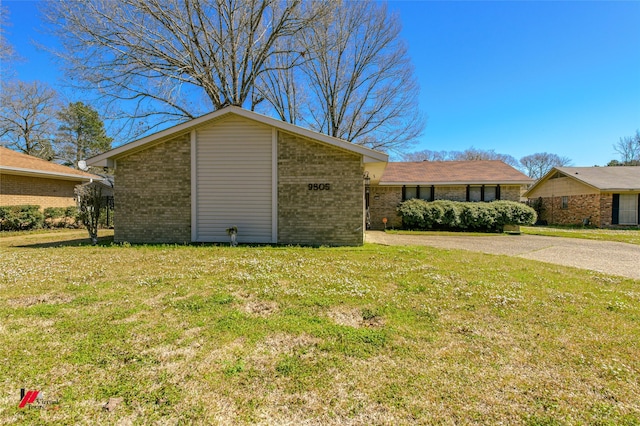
(60, 217)
(27, 217)
(455, 215)
(20, 218)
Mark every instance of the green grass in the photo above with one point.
(271, 335)
(631, 236)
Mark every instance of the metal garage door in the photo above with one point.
(234, 181)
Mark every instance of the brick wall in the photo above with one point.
(43, 192)
(153, 194)
(333, 217)
(578, 208)
(510, 192)
(452, 193)
(606, 209)
(383, 202)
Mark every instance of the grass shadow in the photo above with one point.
(77, 242)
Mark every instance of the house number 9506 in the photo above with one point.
(319, 186)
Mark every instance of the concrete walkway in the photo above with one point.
(602, 256)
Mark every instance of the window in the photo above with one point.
(475, 193)
(490, 193)
(410, 192)
(565, 202)
(426, 193)
(628, 209)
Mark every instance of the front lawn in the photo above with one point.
(273, 335)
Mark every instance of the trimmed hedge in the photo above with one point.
(454, 215)
(20, 218)
(60, 217)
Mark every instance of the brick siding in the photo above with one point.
(153, 194)
(606, 209)
(384, 201)
(44, 192)
(333, 217)
(452, 193)
(511, 192)
(578, 208)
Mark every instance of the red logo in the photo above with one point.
(27, 398)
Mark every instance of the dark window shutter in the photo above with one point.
(615, 209)
(404, 193)
(468, 191)
(497, 192)
(418, 192)
(482, 193)
(433, 193)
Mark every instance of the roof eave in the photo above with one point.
(42, 173)
(400, 183)
(106, 159)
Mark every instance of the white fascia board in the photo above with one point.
(42, 173)
(413, 183)
(102, 160)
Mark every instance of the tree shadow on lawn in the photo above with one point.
(77, 242)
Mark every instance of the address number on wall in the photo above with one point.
(319, 186)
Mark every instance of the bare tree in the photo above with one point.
(90, 205)
(629, 149)
(162, 54)
(539, 164)
(283, 88)
(7, 52)
(360, 80)
(426, 155)
(479, 154)
(469, 154)
(27, 117)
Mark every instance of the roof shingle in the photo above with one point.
(12, 162)
(606, 178)
(452, 172)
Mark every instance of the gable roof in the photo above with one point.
(619, 178)
(17, 163)
(106, 159)
(479, 172)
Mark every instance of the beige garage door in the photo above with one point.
(234, 181)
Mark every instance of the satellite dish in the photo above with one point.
(82, 165)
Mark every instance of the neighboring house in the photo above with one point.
(440, 180)
(25, 179)
(603, 196)
(277, 182)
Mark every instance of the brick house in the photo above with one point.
(439, 180)
(25, 179)
(277, 182)
(605, 196)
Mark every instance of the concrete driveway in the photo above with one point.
(602, 256)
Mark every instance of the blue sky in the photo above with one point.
(515, 77)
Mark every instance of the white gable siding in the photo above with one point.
(234, 181)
